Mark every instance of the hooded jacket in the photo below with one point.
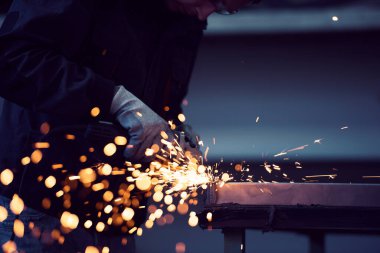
(59, 59)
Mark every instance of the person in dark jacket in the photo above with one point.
(61, 59)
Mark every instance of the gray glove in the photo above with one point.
(142, 123)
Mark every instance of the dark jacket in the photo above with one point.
(61, 58)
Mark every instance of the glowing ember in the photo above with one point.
(120, 140)
(59, 194)
(225, 177)
(139, 232)
(87, 175)
(45, 128)
(9, 247)
(193, 220)
(183, 208)
(181, 117)
(143, 183)
(149, 152)
(100, 227)
(238, 167)
(50, 182)
(157, 196)
(69, 220)
(180, 247)
(108, 196)
(108, 209)
(105, 169)
(3, 214)
(25, 160)
(95, 112)
(18, 228)
(164, 135)
(332, 176)
(88, 224)
(17, 204)
(57, 166)
(91, 249)
(168, 199)
(41, 145)
(36, 156)
(6, 177)
(109, 149)
(128, 214)
(83, 158)
(70, 137)
(209, 217)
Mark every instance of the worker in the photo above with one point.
(131, 60)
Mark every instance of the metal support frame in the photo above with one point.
(316, 242)
(234, 240)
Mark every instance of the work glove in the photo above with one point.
(143, 125)
(190, 141)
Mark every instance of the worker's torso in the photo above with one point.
(143, 48)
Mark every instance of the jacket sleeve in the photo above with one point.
(39, 44)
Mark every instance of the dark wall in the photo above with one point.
(302, 86)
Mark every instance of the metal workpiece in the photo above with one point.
(313, 209)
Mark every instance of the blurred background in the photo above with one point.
(274, 77)
(277, 76)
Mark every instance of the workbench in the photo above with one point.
(311, 208)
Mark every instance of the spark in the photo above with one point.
(18, 228)
(57, 166)
(257, 119)
(3, 214)
(17, 204)
(70, 137)
(91, 249)
(109, 149)
(173, 180)
(344, 127)
(95, 112)
(120, 140)
(69, 220)
(180, 247)
(41, 145)
(206, 153)
(71, 178)
(370, 176)
(6, 177)
(25, 160)
(280, 154)
(335, 18)
(297, 148)
(181, 117)
(332, 176)
(209, 216)
(50, 182)
(318, 141)
(36, 156)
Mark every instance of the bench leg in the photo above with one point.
(316, 242)
(234, 240)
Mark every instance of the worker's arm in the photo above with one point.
(37, 40)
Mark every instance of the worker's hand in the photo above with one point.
(144, 126)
